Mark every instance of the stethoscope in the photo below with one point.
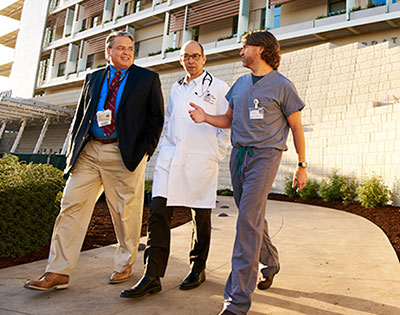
(207, 77)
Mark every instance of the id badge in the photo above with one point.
(104, 118)
(256, 113)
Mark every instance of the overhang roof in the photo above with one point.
(5, 69)
(9, 39)
(14, 10)
(15, 109)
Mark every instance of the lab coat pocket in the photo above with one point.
(165, 156)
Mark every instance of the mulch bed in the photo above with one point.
(101, 232)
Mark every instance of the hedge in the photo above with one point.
(30, 196)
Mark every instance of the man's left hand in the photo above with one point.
(299, 178)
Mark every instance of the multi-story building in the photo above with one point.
(343, 56)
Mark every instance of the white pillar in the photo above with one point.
(167, 38)
(19, 135)
(388, 3)
(2, 128)
(243, 20)
(74, 28)
(107, 12)
(69, 19)
(41, 136)
(72, 59)
(118, 10)
(52, 69)
(82, 57)
(65, 146)
(187, 34)
(349, 6)
(269, 15)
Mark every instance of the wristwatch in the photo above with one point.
(302, 164)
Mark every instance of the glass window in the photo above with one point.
(95, 21)
(90, 62)
(137, 47)
(235, 26)
(61, 69)
(336, 6)
(277, 17)
(196, 33)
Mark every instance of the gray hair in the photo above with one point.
(115, 34)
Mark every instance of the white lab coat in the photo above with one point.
(186, 169)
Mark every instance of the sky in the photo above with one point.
(7, 25)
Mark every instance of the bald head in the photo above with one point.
(191, 43)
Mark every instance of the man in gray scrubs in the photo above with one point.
(263, 106)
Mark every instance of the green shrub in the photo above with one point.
(330, 189)
(373, 192)
(349, 191)
(30, 195)
(288, 189)
(310, 190)
(225, 192)
(148, 185)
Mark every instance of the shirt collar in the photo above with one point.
(113, 71)
(197, 80)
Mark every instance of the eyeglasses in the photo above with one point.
(195, 57)
(123, 48)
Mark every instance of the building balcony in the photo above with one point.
(359, 22)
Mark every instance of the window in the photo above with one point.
(377, 2)
(84, 25)
(277, 17)
(195, 33)
(61, 69)
(235, 25)
(89, 62)
(174, 38)
(95, 21)
(336, 6)
(137, 47)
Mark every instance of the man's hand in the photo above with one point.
(299, 178)
(197, 114)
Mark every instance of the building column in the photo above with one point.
(52, 70)
(19, 136)
(65, 145)
(41, 136)
(2, 128)
(269, 15)
(107, 12)
(72, 59)
(69, 20)
(349, 6)
(167, 38)
(118, 10)
(388, 3)
(243, 19)
(82, 57)
(187, 34)
(75, 20)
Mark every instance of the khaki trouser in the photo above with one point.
(99, 167)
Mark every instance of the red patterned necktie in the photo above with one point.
(110, 103)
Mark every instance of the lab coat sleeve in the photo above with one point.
(223, 135)
(167, 117)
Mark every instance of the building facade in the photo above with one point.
(343, 57)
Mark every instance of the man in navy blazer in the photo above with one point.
(117, 125)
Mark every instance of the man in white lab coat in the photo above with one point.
(186, 172)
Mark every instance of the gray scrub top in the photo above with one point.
(277, 96)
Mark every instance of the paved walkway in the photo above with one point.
(332, 262)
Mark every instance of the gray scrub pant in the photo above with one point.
(252, 242)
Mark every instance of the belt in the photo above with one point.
(240, 155)
(105, 141)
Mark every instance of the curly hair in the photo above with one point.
(270, 45)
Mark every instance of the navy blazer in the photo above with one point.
(139, 121)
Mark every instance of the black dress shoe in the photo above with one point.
(193, 280)
(147, 284)
(266, 282)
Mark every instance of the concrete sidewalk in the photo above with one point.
(332, 262)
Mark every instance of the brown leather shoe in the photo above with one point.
(48, 281)
(266, 282)
(118, 277)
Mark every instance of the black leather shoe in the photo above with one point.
(146, 284)
(193, 280)
(265, 283)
